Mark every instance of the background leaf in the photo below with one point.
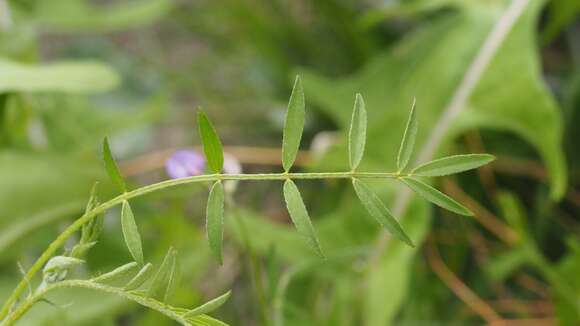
(299, 215)
(131, 233)
(452, 164)
(293, 125)
(69, 77)
(408, 141)
(212, 145)
(436, 197)
(74, 16)
(215, 219)
(111, 166)
(357, 133)
(379, 211)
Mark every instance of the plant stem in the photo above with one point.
(30, 301)
(87, 216)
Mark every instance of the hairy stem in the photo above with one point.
(147, 302)
(76, 225)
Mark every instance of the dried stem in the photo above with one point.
(464, 293)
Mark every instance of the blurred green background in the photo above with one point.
(73, 71)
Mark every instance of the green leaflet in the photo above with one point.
(408, 141)
(357, 132)
(215, 219)
(293, 125)
(379, 211)
(212, 146)
(93, 199)
(208, 306)
(452, 164)
(173, 279)
(91, 230)
(299, 215)
(116, 274)
(162, 280)
(111, 166)
(70, 77)
(436, 197)
(131, 233)
(141, 277)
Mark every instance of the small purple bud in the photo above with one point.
(185, 163)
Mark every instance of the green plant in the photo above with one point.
(153, 290)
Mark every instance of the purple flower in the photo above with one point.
(185, 163)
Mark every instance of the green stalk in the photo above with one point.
(76, 225)
(147, 302)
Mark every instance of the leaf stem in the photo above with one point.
(147, 302)
(76, 225)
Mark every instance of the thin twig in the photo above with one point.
(472, 300)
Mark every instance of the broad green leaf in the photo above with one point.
(452, 164)
(131, 233)
(408, 141)
(293, 125)
(299, 215)
(209, 306)
(424, 53)
(379, 211)
(116, 274)
(215, 219)
(159, 285)
(436, 197)
(212, 146)
(111, 166)
(69, 77)
(357, 133)
(406, 70)
(142, 276)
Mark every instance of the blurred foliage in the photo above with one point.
(74, 71)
